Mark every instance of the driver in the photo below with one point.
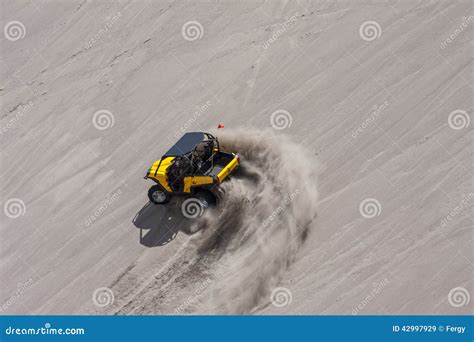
(177, 171)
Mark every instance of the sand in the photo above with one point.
(354, 117)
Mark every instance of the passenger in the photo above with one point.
(199, 157)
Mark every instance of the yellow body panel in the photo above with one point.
(190, 181)
(161, 176)
(227, 170)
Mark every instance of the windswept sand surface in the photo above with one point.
(356, 145)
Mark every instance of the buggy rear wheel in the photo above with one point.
(207, 198)
(157, 195)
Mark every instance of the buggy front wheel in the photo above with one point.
(157, 195)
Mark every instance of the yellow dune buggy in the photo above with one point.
(194, 166)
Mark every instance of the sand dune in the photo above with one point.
(352, 118)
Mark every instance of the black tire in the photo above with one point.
(207, 198)
(157, 195)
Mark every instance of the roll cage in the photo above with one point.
(186, 147)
